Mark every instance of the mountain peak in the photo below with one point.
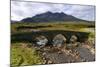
(51, 17)
(48, 12)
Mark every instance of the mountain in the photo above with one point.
(51, 17)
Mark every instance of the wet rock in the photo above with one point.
(59, 40)
(73, 39)
(41, 41)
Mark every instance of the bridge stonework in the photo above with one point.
(31, 36)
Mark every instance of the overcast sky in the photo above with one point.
(20, 10)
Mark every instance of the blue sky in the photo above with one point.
(20, 10)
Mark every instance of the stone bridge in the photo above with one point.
(30, 36)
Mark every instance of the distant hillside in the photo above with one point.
(51, 17)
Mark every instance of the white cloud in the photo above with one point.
(83, 12)
(20, 10)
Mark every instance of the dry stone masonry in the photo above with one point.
(59, 40)
(41, 41)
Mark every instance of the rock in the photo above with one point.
(73, 39)
(91, 41)
(92, 51)
(73, 45)
(69, 46)
(41, 41)
(49, 62)
(59, 40)
(44, 58)
(59, 52)
(44, 62)
(44, 54)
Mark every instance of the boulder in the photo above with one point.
(59, 40)
(41, 41)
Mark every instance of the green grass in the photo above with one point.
(24, 56)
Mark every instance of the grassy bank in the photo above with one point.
(23, 55)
